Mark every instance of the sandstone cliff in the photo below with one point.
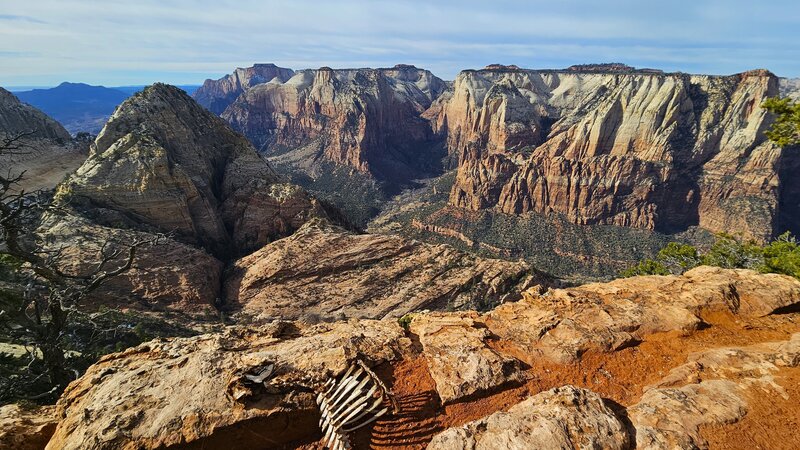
(365, 119)
(629, 148)
(709, 359)
(163, 161)
(216, 95)
(790, 87)
(46, 150)
(17, 117)
(163, 164)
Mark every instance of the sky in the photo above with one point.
(136, 42)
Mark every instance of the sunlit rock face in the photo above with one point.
(621, 147)
(216, 95)
(164, 161)
(364, 119)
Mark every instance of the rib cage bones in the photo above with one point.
(356, 400)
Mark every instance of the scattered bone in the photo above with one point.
(261, 373)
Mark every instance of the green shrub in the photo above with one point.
(405, 321)
(782, 256)
(678, 258)
(779, 256)
(646, 267)
(731, 253)
(785, 131)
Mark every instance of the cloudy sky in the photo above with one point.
(110, 42)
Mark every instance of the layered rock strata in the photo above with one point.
(163, 161)
(635, 148)
(364, 119)
(45, 151)
(324, 272)
(216, 95)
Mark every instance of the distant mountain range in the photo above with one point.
(81, 107)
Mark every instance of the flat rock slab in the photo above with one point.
(193, 390)
(459, 359)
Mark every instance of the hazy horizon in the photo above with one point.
(184, 42)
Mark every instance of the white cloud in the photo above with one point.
(120, 42)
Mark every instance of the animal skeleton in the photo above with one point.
(357, 399)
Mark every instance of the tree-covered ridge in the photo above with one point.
(785, 130)
(779, 256)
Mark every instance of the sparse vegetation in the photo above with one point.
(405, 321)
(779, 256)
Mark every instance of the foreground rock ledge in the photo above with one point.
(170, 393)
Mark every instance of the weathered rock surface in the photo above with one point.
(459, 359)
(17, 117)
(26, 429)
(637, 149)
(710, 389)
(562, 418)
(324, 271)
(790, 87)
(167, 275)
(364, 119)
(164, 161)
(193, 390)
(216, 95)
(46, 152)
(562, 324)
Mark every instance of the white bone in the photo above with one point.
(371, 419)
(354, 394)
(371, 408)
(365, 398)
(346, 387)
(352, 411)
(341, 384)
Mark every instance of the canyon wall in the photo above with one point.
(364, 119)
(630, 148)
(216, 95)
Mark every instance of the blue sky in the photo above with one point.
(44, 42)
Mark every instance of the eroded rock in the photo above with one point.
(459, 358)
(634, 148)
(562, 418)
(193, 390)
(26, 428)
(363, 119)
(710, 389)
(563, 323)
(164, 161)
(326, 272)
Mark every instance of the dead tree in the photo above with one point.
(40, 300)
